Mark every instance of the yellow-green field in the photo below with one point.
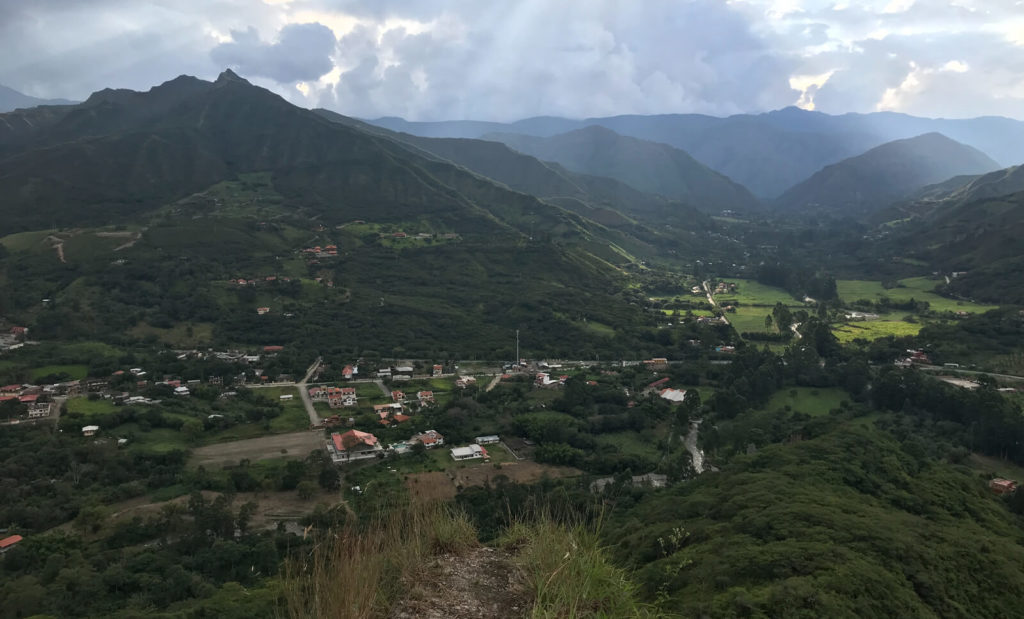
(874, 329)
(917, 288)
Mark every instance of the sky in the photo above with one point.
(476, 59)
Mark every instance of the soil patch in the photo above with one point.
(482, 582)
(525, 472)
(293, 445)
(432, 486)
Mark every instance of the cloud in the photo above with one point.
(432, 59)
(302, 52)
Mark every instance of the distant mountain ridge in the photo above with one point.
(648, 166)
(11, 100)
(766, 153)
(884, 174)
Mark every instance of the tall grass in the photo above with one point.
(360, 571)
(569, 573)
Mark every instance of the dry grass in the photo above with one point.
(358, 572)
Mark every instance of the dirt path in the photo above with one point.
(58, 244)
(482, 582)
(711, 300)
(494, 383)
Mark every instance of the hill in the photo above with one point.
(767, 153)
(884, 174)
(135, 210)
(603, 199)
(648, 166)
(11, 99)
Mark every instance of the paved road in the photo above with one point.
(937, 368)
(314, 418)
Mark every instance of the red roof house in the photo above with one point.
(273, 348)
(7, 542)
(397, 396)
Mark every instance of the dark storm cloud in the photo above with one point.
(301, 53)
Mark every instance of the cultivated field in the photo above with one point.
(874, 329)
(749, 292)
(917, 288)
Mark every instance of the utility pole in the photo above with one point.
(517, 347)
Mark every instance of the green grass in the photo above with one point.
(630, 443)
(181, 335)
(917, 288)
(598, 328)
(875, 329)
(750, 319)
(294, 416)
(749, 292)
(88, 407)
(76, 372)
(27, 241)
(807, 400)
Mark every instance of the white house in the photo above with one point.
(90, 430)
(469, 453)
(182, 391)
(487, 440)
(673, 395)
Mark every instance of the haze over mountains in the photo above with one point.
(886, 173)
(11, 99)
(648, 166)
(766, 153)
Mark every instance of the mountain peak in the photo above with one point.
(228, 76)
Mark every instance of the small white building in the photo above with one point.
(673, 395)
(181, 391)
(487, 440)
(90, 430)
(471, 452)
(286, 397)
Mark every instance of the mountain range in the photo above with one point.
(766, 153)
(11, 99)
(885, 174)
(648, 166)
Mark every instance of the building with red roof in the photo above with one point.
(9, 542)
(429, 438)
(353, 445)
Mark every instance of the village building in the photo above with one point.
(429, 439)
(1002, 486)
(673, 395)
(425, 397)
(487, 440)
(656, 364)
(353, 445)
(9, 542)
(471, 452)
(90, 430)
(348, 372)
(397, 396)
(438, 370)
(262, 310)
(464, 381)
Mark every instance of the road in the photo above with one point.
(937, 368)
(494, 382)
(711, 300)
(314, 418)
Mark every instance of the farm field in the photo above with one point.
(807, 400)
(874, 329)
(749, 292)
(749, 319)
(294, 416)
(917, 288)
(629, 442)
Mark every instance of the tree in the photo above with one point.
(193, 429)
(306, 489)
(768, 322)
